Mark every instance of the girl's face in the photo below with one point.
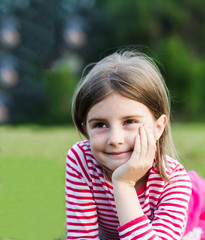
(112, 125)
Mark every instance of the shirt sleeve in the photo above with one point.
(170, 216)
(81, 214)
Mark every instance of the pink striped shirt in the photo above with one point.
(90, 205)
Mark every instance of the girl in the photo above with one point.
(120, 184)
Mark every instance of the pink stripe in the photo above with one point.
(173, 217)
(82, 237)
(81, 165)
(81, 210)
(83, 224)
(77, 190)
(135, 230)
(80, 217)
(73, 169)
(79, 197)
(80, 204)
(82, 231)
(101, 198)
(76, 183)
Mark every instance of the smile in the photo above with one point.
(118, 153)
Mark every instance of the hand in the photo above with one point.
(141, 159)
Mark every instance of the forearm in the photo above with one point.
(127, 202)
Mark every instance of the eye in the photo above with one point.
(130, 121)
(100, 125)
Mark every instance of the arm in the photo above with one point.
(129, 174)
(170, 216)
(127, 203)
(81, 216)
(134, 224)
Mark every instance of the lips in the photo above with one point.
(118, 153)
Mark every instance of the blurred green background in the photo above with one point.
(44, 47)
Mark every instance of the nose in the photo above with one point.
(116, 137)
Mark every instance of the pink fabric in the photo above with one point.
(196, 212)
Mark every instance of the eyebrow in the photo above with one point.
(123, 118)
(96, 120)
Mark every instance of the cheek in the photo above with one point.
(96, 142)
(130, 138)
(152, 126)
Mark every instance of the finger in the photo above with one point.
(144, 143)
(137, 147)
(151, 148)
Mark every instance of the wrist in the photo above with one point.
(118, 184)
(126, 201)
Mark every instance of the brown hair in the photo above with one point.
(135, 76)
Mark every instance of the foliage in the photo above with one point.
(184, 76)
(32, 23)
(171, 32)
(61, 84)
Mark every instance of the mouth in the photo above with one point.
(118, 153)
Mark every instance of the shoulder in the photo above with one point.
(80, 160)
(84, 145)
(174, 170)
(80, 155)
(179, 184)
(79, 149)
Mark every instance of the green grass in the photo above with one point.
(32, 176)
(189, 140)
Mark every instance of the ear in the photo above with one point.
(160, 125)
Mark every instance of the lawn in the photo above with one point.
(32, 176)
(189, 140)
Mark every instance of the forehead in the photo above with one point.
(118, 105)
